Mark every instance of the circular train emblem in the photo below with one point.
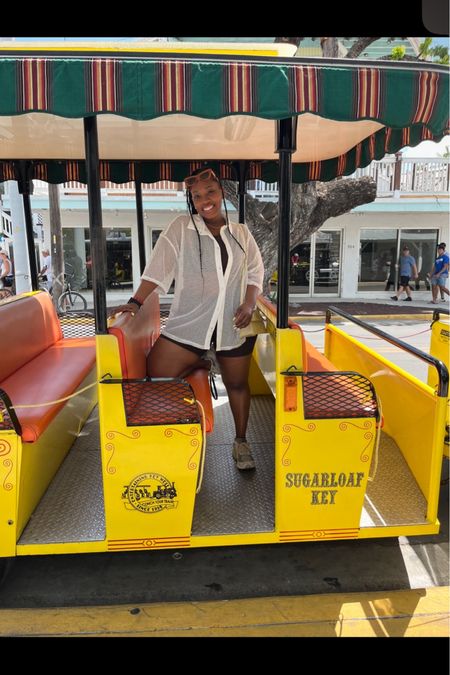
(151, 493)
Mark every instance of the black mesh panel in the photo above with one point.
(338, 395)
(77, 324)
(153, 402)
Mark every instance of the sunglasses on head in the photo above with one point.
(207, 174)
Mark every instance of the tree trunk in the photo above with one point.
(56, 247)
(330, 46)
(312, 204)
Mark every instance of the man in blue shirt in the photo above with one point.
(408, 270)
(439, 273)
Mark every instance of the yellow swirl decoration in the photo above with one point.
(110, 448)
(318, 534)
(148, 543)
(195, 444)
(365, 458)
(310, 427)
(6, 463)
(366, 425)
(134, 434)
(193, 431)
(5, 448)
(286, 439)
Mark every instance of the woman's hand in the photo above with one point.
(243, 315)
(129, 307)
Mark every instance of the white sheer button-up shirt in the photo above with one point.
(204, 297)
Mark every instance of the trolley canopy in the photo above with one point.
(160, 116)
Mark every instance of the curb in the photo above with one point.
(407, 317)
(420, 612)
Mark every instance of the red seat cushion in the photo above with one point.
(29, 325)
(316, 361)
(53, 374)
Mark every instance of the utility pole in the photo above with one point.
(56, 243)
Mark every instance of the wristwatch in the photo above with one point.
(135, 301)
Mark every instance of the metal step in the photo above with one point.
(72, 509)
(233, 501)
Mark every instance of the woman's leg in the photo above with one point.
(234, 372)
(169, 359)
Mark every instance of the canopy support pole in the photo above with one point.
(242, 190)
(25, 185)
(98, 243)
(286, 145)
(140, 224)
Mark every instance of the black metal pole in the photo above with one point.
(98, 244)
(242, 190)
(286, 145)
(30, 241)
(25, 185)
(140, 224)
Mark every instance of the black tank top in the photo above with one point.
(223, 251)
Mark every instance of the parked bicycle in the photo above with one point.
(5, 291)
(70, 300)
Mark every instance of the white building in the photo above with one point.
(351, 256)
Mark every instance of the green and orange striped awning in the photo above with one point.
(158, 116)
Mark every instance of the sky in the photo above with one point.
(428, 149)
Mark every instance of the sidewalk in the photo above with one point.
(316, 307)
(313, 307)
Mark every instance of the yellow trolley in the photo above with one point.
(334, 460)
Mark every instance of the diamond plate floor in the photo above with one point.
(233, 501)
(393, 498)
(230, 501)
(72, 509)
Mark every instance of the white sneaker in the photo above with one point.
(242, 455)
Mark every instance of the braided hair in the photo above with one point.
(193, 211)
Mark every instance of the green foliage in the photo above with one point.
(437, 54)
(398, 53)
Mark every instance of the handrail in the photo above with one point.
(439, 365)
(441, 310)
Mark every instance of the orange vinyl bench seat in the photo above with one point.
(38, 364)
(135, 337)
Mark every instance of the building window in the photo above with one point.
(379, 254)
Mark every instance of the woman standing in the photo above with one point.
(218, 273)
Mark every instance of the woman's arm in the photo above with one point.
(243, 314)
(142, 293)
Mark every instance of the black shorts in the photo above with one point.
(404, 281)
(243, 350)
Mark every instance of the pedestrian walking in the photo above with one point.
(408, 270)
